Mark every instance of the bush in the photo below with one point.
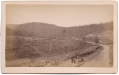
(96, 40)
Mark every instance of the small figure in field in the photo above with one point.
(73, 58)
(56, 61)
(81, 60)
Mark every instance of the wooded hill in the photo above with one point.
(44, 30)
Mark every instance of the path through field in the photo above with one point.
(101, 59)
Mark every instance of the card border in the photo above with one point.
(60, 69)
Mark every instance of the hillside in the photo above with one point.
(31, 42)
(104, 37)
(44, 30)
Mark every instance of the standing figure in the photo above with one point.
(73, 59)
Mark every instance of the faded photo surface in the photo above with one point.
(59, 36)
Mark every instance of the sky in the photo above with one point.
(60, 15)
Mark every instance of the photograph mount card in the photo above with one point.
(59, 37)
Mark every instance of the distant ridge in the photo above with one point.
(45, 30)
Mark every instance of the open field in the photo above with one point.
(63, 60)
(53, 52)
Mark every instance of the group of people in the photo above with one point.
(73, 58)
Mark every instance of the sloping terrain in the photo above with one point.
(104, 37)
(46, 45)
(45, 30)
(102, 59)
(28, 58)
(24, 48)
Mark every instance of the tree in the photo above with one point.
(96, 40)
(64, 32)
(83, 38)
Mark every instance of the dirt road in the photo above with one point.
(102, 59)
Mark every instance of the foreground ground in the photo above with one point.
(101, 58)
(89, 55)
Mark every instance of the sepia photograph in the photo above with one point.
(60, 35)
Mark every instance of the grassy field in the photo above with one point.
(41, 52)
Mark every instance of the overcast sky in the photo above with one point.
(60, 15)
